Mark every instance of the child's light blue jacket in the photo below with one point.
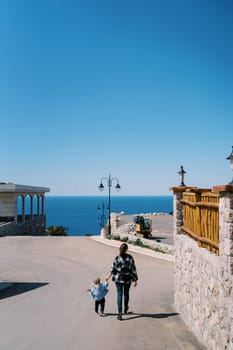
(99, 292)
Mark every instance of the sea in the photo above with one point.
(80, 214)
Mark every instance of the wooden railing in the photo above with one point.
(201, 218)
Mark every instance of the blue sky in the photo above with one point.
(128, 88)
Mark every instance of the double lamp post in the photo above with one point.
(109, 181)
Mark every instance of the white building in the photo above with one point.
(22, 209)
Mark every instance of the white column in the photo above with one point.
(38, 204)
(31, 206)
(43, 205)
(23, 208)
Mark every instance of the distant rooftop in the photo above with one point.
(11, 187)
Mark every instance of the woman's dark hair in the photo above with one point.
(123, 249)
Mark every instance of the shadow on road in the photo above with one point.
(133, 315)
(19, 288)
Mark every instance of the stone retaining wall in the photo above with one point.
(198, 293)
(203, 283)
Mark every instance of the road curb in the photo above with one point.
(135, 249)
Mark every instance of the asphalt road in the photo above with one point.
(48, 307)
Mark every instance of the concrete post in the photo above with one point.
(114, 222)
(177, 212)
(226, 263)
(178, 208)
(15, 208)
(225, 228)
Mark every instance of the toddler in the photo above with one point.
(98, 292)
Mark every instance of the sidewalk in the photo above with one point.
(134, 249)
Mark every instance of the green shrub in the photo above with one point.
(138, 243)
(124, 239)
(57, 231)
(115, 237)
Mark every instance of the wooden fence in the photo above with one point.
(201, 218)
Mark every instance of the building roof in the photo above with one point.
(11, 187)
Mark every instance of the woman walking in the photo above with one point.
(123, 273)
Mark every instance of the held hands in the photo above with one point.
(108, 277)
(135, 283)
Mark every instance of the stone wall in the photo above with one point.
(203, 282)
(37, 225)
(198, 295)
(8, 204)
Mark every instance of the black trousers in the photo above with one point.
(100, 303)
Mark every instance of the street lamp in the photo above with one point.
(102, 216)
(109, 181)
(181, 173)
(231, 163)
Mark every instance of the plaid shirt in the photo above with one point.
(124, 269)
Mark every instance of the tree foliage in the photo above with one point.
(57, 231)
